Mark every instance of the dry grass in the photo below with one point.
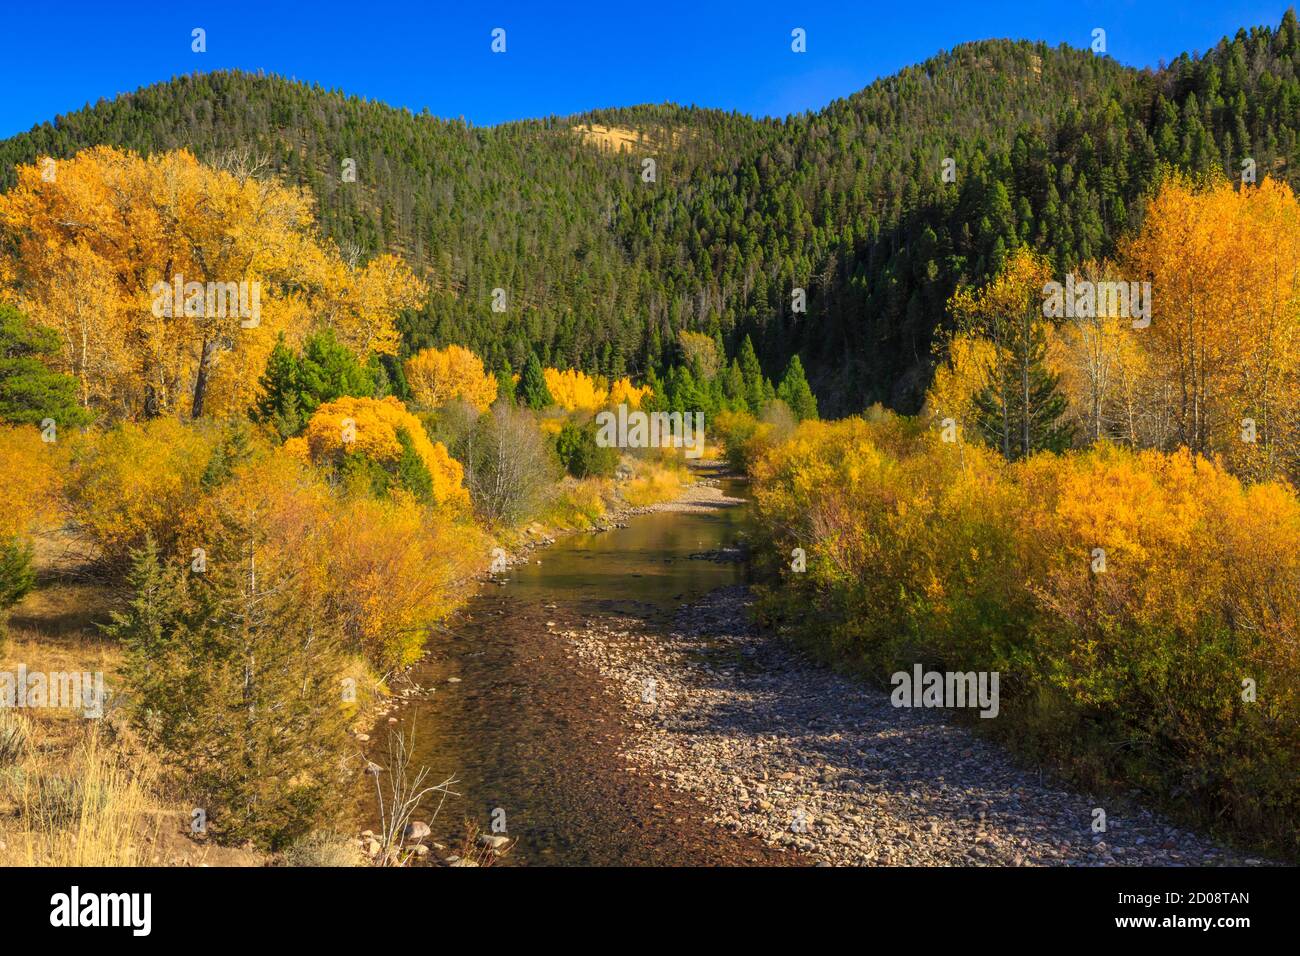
(83, 793)
(88, 807)
(654, 484)
(74, 798)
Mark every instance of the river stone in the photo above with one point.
(416, 830)
(493, 841)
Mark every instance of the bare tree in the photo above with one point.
(508, 464)
(241, 162)
(406, 793)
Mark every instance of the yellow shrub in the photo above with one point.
(1120, 595)
(386, 567)
(139, 479)
(31, 479)
(397, 568)
(654, 485)
(579, 504)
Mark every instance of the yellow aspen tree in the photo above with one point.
(437, 376)
(1185, 252)
(574, 390)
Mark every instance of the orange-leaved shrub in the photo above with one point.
(1142, 609)
(386, 567)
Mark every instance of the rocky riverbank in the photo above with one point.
(780, 748)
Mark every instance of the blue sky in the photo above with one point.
(560, 58)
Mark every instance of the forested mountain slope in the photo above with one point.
(1052, 146)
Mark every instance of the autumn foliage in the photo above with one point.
(138, 481)
(1214, 368)
(386, 568)
(437, 376)
(383, 433)
(623, 392)
(91, 249)
(920, 550)
(31, 474)
(1224, 343)
(574, 390)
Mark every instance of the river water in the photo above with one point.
(531, 736)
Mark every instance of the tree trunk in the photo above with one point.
(201, 378)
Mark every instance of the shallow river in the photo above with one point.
(527, 732)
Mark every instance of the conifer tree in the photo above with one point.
(532, 385)
(506, 382)
(236, 674)
(796, 393)
(30, 391)
(752, 373)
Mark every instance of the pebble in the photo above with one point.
(764, 737)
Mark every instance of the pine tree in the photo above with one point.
(236, 674)
(795, 392)
(684, 394)
(733, 387)
(752, 372)
(328, 370)
(657, 400)
(506, 382)
(29, 391)
(279, 405)
(532, 385)
(1020, 412)
(17, 578)
(294, 386)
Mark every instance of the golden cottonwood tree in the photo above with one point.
(170, 281)
(1224, 342)
(436, 376)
